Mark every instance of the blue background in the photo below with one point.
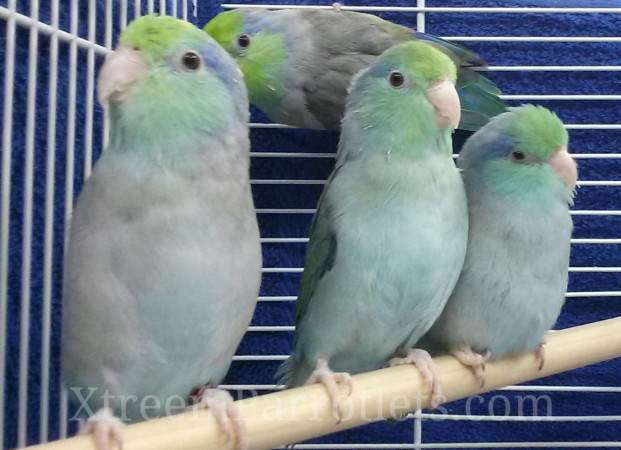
(576, 311)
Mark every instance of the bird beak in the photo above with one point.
(564, 166)
(119, 72)
(443, 96)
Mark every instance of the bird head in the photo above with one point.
(256, 39)
(410, 86)
(522, 151)
(167, 76)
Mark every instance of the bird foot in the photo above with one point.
(476, 361)
(105, 428)
(322, 374)
(540, 352)
(222, 406)
(424, 363)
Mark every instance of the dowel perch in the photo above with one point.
(300, 414)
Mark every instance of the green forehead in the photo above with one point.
(225, 27)
(154, 35)
(537, 130)
(422, 58)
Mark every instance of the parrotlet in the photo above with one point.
(389, 238)
(298, 63)
(164, 258)
(520, 182)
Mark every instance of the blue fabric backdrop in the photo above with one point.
(577, 310)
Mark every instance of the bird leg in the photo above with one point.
(105, 428)
(540, 352)
(476, 361)
(423, 362)
(322, 374)
(223, 408)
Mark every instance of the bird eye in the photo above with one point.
(396, 79)
(243, 41)
(518, 156)
(191, 60)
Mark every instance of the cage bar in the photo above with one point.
(5, 205)
(90, 87)
(64, 36)
(437, 9)
(123, 14)
(50, 171)
(24, 329)
(69, 174)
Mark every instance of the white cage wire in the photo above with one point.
(96, 45)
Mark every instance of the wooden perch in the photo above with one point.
(299, 414)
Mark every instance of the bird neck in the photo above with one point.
(540, 195)
(266, 69)
(413, 142)
(170, 144)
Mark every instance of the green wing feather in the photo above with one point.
(320, 257)
(320, 253)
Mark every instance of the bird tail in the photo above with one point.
(462, 55)
(293, 373)
(478, 105)
(283, 373)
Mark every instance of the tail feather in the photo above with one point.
(462, 55)
(283, 373)
(293, 373)
(478, 106)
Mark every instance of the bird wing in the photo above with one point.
(320, 252)
(344, 43)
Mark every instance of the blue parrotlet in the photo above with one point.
(520, 183)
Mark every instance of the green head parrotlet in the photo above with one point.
(389, 238)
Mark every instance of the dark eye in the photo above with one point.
(396, 79)
(518, 156)
(191, 60)
(243, 41)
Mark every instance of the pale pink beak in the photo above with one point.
(443, 96)
(564, 166)
(121, 69)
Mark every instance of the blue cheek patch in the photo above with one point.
(501, 147)
(219, 63)
(491, 142)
